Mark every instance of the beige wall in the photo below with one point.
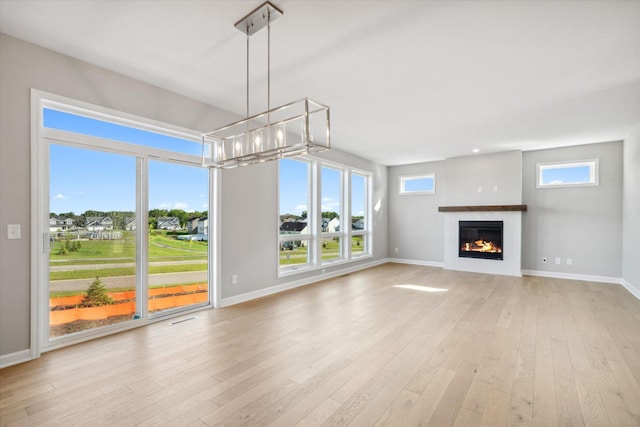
(581, 223)
(248, 194)
(631, 211)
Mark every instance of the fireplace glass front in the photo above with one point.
(480, 239)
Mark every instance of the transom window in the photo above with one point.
(567, 174)
(418, 184)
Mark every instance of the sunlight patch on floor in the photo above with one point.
(420, 288)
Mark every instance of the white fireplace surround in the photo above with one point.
(511, 243)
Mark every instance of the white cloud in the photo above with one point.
(176, 205)
(61, 197)
(300, 208)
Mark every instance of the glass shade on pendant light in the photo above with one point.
(293, 129)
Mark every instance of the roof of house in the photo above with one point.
(293, 226)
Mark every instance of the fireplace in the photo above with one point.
(480, 239)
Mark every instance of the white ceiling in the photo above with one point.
(407, 81)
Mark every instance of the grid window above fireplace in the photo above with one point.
(480, 239)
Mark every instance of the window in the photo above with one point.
(418, 184)
(567, 174)
(295, 225)
(317, 226)
(330, 221)
(359, 215)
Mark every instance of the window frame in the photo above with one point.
(314, 217)
(41, 139)
(404, 178)
(594, 173)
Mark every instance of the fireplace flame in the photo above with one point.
(481, 246)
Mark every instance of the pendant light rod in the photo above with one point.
(247, 72)
(274, 134)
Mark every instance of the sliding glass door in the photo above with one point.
(92, 252)
(123, 212)
(178, 236)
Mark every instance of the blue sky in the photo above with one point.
(85, 179)
(566, 174)
(294, 184)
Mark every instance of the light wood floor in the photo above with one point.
(457, 349)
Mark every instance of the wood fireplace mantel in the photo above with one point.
(486, 208)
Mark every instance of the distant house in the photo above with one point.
(324, 223)
(99, 223)
(334, 225)
(293, 227)
(60, 224)
(358, 224)
(168, 223)
(192, 225)
(130, 224)
(203, 226)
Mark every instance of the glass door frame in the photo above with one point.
(41, 138)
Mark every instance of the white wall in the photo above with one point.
(464, 177)
(250, 217)
(581, 223)
(249, 213)
(416, 227)
(631, 211)
(584, 223)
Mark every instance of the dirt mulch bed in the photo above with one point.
(81, 325)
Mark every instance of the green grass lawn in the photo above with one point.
(330, 250)
(162, 247)
(123, 271)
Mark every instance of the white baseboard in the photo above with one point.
(572, 276)
(634, 291)
(15, 358)
(248, 296)
(416, 262)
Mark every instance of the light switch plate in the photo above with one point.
(13, 231)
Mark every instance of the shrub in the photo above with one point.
(96, 295)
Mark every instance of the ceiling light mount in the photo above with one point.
(296, 128)
(258, 18)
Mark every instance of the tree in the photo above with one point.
(330, 215)
(303, 215)
(96, 295)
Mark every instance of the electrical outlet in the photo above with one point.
(396, 250)
(569, 261)
(495, 188)
(544, 260)
(480, 189)
(13, 231)
(234, 279)
(558, 261)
